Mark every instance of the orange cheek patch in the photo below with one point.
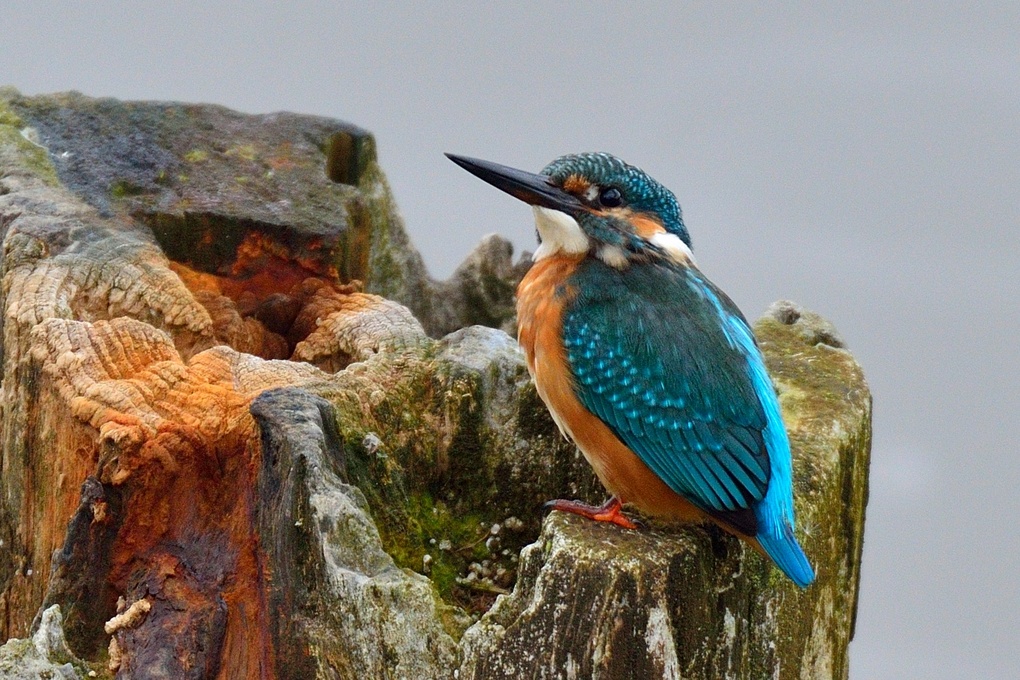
(643, 224)
(577, 185)
(646, 227)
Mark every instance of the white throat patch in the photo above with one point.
(560, 233)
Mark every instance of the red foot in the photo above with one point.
(610, 511)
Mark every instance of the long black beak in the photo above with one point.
(526, 186)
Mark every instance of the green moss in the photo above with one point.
(17, 150)
(370, 174)
(348, 156)
(196, 156)
(245, 151)
(390, 255)
(427, 487)
(8, 117)
(431, 526)
(125, 188)
(386, 276)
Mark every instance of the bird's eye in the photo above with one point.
(611, 197)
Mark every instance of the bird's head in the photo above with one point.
(594, 203)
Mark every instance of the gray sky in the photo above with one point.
(863, 161)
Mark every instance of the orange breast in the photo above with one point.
(541, 299)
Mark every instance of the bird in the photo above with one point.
(645, 364)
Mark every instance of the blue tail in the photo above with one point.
(788, 556)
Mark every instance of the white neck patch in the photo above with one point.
(614, 256)
(560, 233)
(674, 247)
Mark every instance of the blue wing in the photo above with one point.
(653, 353)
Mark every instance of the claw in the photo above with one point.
(610, 511)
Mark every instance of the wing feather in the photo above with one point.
(654, 361)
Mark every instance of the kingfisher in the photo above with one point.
(644, 363)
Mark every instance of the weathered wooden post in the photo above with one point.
(232, 445)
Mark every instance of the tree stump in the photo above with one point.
(233, 446)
